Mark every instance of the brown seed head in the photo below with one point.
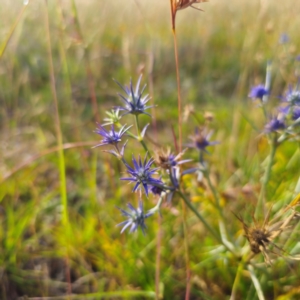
(261, 236)
(166, 160)
(258, 238)
(182, 4)
(208, 116)
(189, 109)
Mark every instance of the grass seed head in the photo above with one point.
(167, 160)
(261, 236)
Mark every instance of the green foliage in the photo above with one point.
(222, 52)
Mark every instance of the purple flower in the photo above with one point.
(110, 137)
(201, 139)
(276, 123)
(156, 190)
(135, 218)
(167, 160)
(134, 102)
(284, 110)
(284, 38)
(175, 177)
(292, 97)
(296, 113)
(258, 92)
(141, 173)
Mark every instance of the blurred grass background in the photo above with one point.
(222, 52)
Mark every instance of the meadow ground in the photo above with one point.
(59, 196)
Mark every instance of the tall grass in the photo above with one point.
(221, 52)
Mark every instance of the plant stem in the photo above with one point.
(237, 278)
(186, 252)
(139, 137)
(201, 218)
(157, 258)
(260, 208)
(213, 190)
(11, 31)
(91, 81)
(137, 125)
(256, 283)
(222, 223)
(178, 90)
(61, 158)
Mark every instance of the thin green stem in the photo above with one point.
(260, 208)
(256, 283)
(226, 244)
(213, 190)
(156, 208)
(139, 137)
(3, 46)
(61, 158)
(264, 111)
(186, 253)
(201, 218)
(222, 226)
(157, 259)
(90, 76)
(237, 279)
(137, 125)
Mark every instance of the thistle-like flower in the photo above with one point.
(141, 173)
(296, 113)
(284, 38)
(258, 92)
(276, 123)
(166, 160)
(292, 97)
(110, 137)
(200, 140)
(134, 102)
(261, 236)
(135, 217)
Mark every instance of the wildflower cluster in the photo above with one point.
(281, 124)
(285, 117)
(159, 175)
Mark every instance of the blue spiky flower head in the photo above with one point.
(276, 123)
(284, 38)
(135, 217)
(296, 113)
(141, 173)
(292, 97)
(258, 92)
(110, 137)
(135, 103)
(200, 140)
(167, 160)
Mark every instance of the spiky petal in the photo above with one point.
(135, 103)
(141, 173)
(110, 137)
(135, 218)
